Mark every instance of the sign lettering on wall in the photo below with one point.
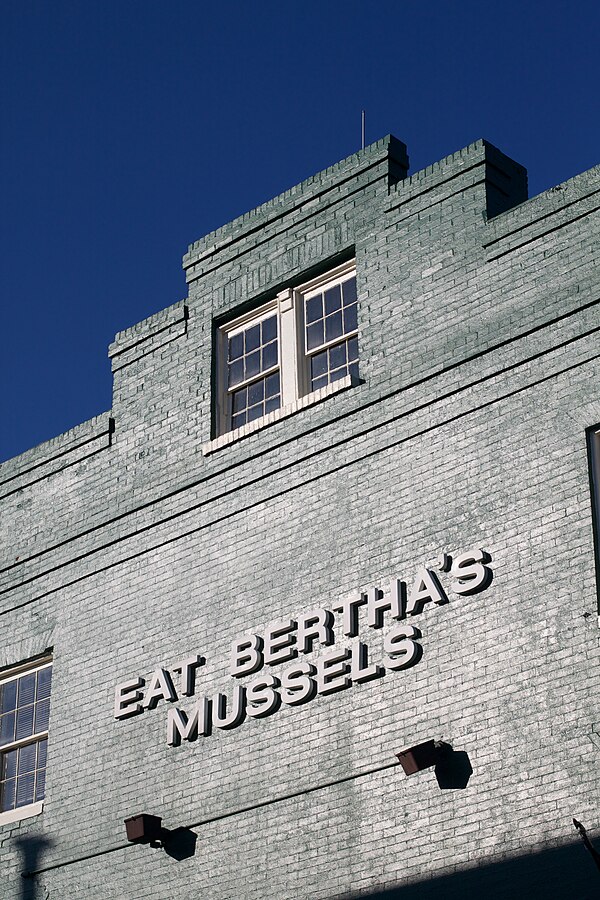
(288, 641)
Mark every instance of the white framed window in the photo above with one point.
(24, 715)
(299, 342)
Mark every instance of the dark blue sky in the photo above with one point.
(131, 128)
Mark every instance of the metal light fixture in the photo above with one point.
(145, 829)
(421, 756)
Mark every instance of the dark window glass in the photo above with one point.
(314, 309)
(255, 412)
(27, 689)
(269, 358)
(7, 728)
(349, 290)
(27, 756)
(337, 356)
(269, 329)
(239, 420)
(272, 384)
(44, 680)
(42, 714)
(271, 404)
(333, 299)
(256, 392)
(318, 364)
(236, 372)
(42, 753)
(314, 335)
(25, 785)
(236, 346)
(252, 338)
(253, 364)
(9, 764)
(7, 794)
(24, 722)
(350, 320)
(240, 400)
(8, 696)
(40, 784)
(333, 327)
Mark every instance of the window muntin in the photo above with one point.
(24, 715)
(331, 327)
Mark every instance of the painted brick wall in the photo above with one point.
(128, 548)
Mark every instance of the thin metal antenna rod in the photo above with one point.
(362, 128)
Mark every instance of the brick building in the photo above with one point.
(340, 508)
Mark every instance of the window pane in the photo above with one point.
(314, 309)
(27, 758)
(8, 769)
(236, 372)
(44, 680)
(349, 291)
(7, 795)
(252, 338)
(239, 420)
(353, 369)
(42, 714)
(7, 728)
(333, 299)
(272, 404)
(318, 364)
(333, 326)
(255, 412)
(256, 392)
(337, 356)
(8, 696)
(269, 329)
(27, 689)
(40, 784)
(353, 349)
(314, 335)
(25, 790)
(319, 383)
(24, 722)
(253, 364)
(350, 320)
(240, 400)
(42, 753)
(236, 346)
(337, 374)
(272, 384)
(269, 356)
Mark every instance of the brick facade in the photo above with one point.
(129, 546)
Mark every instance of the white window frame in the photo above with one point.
(12, 674)
(293, 357)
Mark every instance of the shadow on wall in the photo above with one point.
(563, 873)
(31, 847)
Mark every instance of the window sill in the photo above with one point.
(302, 403)
(22, 812)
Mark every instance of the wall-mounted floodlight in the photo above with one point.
(145, 829)
(421, 756)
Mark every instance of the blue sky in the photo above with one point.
(129, 129)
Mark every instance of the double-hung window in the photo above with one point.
(24, 714)
(302, 340)
(331, 328)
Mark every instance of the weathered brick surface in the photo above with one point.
(127, 548)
